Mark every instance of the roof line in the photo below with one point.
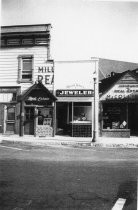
(25, 25)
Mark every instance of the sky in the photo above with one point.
(81, 29)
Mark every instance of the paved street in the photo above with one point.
(66, 178)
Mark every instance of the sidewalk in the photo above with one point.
(131, 142)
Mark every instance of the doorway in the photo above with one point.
(133, 119)
(29, 121)
(10, 120)
(64, 116)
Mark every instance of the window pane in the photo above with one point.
(10, 127)
(27, 64)
(82, 113)
(11, 113)
(27, 76)
(27, 69)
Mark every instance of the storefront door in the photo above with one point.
(10, 119)
(29, 121)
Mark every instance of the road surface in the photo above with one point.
(66, 178)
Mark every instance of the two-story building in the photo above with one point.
(26, 81)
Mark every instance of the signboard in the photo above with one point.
(45, 74)
(36, 99)
(44, 130)
(8, 90)
(74, 93)
(122, 91)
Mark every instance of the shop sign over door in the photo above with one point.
(74, 93)
(122, 90)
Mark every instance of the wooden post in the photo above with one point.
(68, 113)
(127, 115)
(4, 119)
(101, 118)
(54, 119)
(35, 119)
(22, 118)
(72, 116)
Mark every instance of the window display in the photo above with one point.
(82, 112)
(114, 116)
(44, 116)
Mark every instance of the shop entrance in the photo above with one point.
(29, 121)
(10, 119)
(133, 119)
(64, 116)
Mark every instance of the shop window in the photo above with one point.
(82, 112)
(44, 116)
(25, 68)
(114, 116)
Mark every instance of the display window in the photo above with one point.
(45, 116)
(114, 116)
(82, 112)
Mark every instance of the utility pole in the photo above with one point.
(96, 101)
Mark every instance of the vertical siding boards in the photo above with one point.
(9, 64)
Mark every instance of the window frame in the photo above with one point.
(20, 68)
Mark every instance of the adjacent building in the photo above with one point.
(26, 81)
(119, 105)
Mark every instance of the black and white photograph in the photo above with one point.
(68, 105)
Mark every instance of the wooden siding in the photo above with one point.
(9, 64)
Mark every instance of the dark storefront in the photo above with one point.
(119, 107)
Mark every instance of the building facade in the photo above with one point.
(75, 97)
(27, 102)
(43, 97)
(119, 105)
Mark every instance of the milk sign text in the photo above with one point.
(46, 74)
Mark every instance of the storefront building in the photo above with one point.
(27, 103)
(76, 108)
(119, 105)
(75, 97)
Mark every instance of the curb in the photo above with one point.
(71, 143)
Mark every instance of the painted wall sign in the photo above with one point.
(74, 93)
(122, 91)
(46, 73)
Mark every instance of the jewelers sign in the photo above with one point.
(74, 93)
(122, 91)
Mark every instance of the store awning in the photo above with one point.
(37, 94)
